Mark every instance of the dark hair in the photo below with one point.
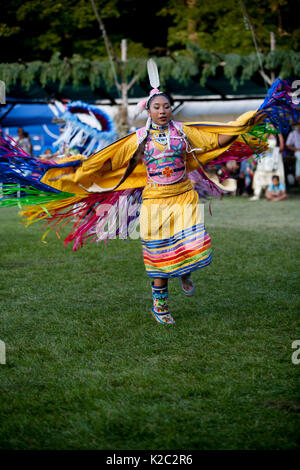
(159, 94)
(275, 176)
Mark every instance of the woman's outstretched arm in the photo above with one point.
(225, 140)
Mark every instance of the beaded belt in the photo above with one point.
(153, 184)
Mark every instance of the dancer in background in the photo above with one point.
(148, 175)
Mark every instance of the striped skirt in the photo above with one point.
(174, 239)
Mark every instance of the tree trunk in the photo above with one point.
(191, 22)
(272, 47)
(122, 118)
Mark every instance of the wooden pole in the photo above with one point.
(272, 47)
(124, 86)
(122, 118)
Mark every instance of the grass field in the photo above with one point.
(88, 367)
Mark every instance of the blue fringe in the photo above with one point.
(278, 105)
(17, 167)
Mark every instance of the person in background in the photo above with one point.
(46, 155)
(244, 182)
(276, 191)
(24, 141)
(271, 164)
(293, 144)
(232, 169)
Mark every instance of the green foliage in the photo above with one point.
(6, 31)
(36, 29)
(60, 42)
(78, 70)
(251, 66)
(222, 26)
(287, 61)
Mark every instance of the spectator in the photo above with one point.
(244, 182)
(231, 170)
(293, 144)
(269, 165)
(47, 155)
(24, 141)
(276, 191)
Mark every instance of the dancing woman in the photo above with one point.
(174, 239)
(153, 168)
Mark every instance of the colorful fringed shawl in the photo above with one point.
(75, 190)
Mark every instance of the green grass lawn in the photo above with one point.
(88, 367)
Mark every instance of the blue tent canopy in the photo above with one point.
(35, 118)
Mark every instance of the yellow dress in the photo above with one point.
(87, 184)
(174, 239)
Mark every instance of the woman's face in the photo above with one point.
(160, 110)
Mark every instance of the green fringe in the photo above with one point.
(262, 130)
(28, 196)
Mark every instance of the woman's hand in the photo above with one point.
(105, 168)
(225, 140)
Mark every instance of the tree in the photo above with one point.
(198, 64)
(36, 29)
(220, 26)
(47, 41)
(119, 73)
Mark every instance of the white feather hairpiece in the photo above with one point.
(153, 73)
(154, 82)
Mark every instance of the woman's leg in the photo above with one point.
(160, 282)
(187, 284)
(160, 309)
